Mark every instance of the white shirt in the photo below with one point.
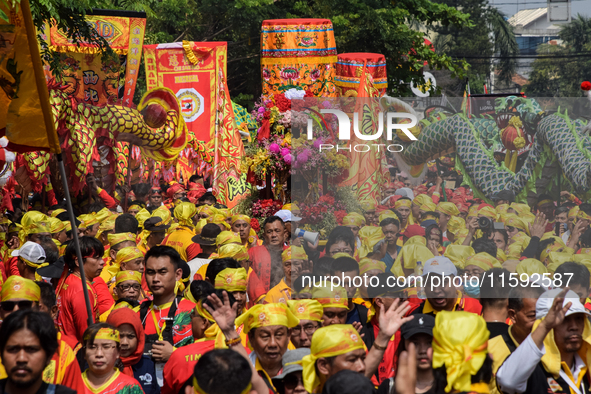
(513, 375)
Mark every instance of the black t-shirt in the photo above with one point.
(58, 389)
(497, 328)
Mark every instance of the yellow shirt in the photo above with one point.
(280, 293)
(428, 308)
(180, 240)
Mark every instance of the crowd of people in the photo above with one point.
(186, 296)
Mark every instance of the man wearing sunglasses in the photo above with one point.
(290, 380)
(23, 294)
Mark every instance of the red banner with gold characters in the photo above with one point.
(196, 73)
(87, 76)
(168, 65)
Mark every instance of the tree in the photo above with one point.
(489, 35)
(560, 69)
(379, 26)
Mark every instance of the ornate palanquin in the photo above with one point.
(298, 53)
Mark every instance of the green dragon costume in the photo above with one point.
(156, 127)
(558, 139)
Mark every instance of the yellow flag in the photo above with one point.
(25, 113)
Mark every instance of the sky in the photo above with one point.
(510, 7)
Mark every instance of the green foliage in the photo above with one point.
(67, 15)
(381, 26)
(488, 35)
(562, 76)
(377, 26)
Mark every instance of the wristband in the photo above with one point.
(382, 348)
(233, 342)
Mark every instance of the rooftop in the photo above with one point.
(525, 17)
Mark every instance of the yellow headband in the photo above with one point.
(109, 334)
(306, 309)
(163, 213)
(512, 220)
(530, 267)
(19, 287)
(353, 219)
(329, 341)
(115, 239)
(231, 279)
(56, 225)
(368, 205)
(488, 212)
(552, 248)
(237, 252)
(108, 224)
(520, 208)
(458, 254)
(236, 218)
(337, 298)
(483, 260)
(448, 208)
(455, 224)
(421, 199)
(227, 238)
(88, 219)
(103, 214)
(184, 213)
(123, 276)
(142, 216)
(462, 352)
(127, 254)
(57, 212)
(573, 212)
(402, 203)
(367, 264)
(582, 215)
(263, 315)
(428, 206)
(294, 253)
(134, 207)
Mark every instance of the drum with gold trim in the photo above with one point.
(350, 67)
(298, 53)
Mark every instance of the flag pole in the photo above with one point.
(75, 238)
(53, 139)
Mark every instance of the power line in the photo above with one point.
(587, 54)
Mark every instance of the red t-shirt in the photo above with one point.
(72, 316)
(104, 298)
(179, 367)
(182, 331)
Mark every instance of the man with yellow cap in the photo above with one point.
(334, 301)
(340, 347)
(369, 212)
(91, 224)
(354, 221)
(309, 312)
(128, 290)
(446, 211)
(269, 328)
(117, 241)
(241, 225)
(20, 293)
(58, 231)
(153, 234)
(403, 207)
(554, 358)
(180, 238)
(234, 281)
(294, 258)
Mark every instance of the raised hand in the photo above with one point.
(393, 318)
(406, 377)
(538, 228)
(557, 311)
(223, 313)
